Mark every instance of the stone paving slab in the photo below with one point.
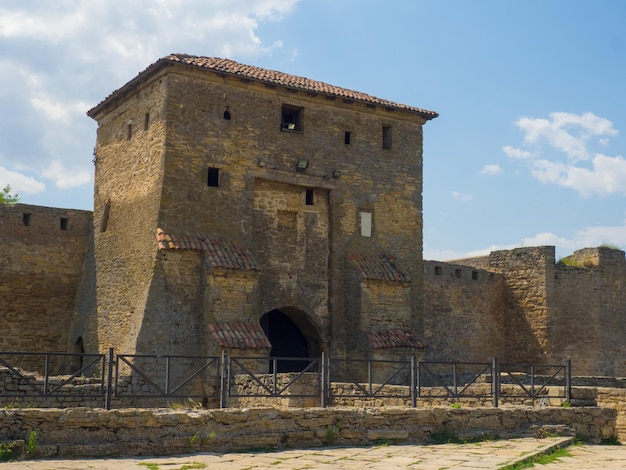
(481, 455)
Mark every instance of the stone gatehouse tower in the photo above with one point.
(248, 209)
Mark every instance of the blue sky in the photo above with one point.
(528, 149)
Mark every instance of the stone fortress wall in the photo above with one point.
(522, 306)
(43, 272)
(518, 305)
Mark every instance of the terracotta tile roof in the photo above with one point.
(394, 338)
(220, 253)
(238, 335)
(378, 267)
(270, 77)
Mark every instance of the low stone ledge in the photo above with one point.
(98, 432)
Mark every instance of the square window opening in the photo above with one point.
(213, 179)
(387, 137)
(310, 197)
(64, 223)
(291, 119)
(438, 270)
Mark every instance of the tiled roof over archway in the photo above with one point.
(238, 335)
(394, 338)
(379, 267)
(219, 252)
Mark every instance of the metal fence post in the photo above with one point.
(454, 383)
(568, 380)
(224, 382)
(109, 388)
(167, 375)
(418, 385)
(46, 375)
(495, 381)
(413, 381)
(323, 382)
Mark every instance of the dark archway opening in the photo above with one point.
(287, 341)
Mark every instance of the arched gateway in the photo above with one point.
(292, 335)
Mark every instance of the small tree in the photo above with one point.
(7, 198)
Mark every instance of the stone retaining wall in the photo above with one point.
(613, 398)
(96, 432)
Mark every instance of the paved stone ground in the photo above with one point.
(483, 455)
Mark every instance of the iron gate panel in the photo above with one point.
(241, 366)
(87, 382)
(456, 380)
(154, 376)
(368, 388)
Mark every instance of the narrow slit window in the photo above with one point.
(387, 137)
(26, 219)
(146, 121)
(347, 137)
(104, 221)
(366, 223)
(291, 119)
(213, 179)
(310, 197)
(129, 131)
(64, 223)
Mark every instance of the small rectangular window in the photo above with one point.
(366, 223)
(438, 270)
(26, 219)
(64, 223)
(457, 273)
(291, 119)
(387, 137)
(310, 197)
(347, 137)
(214, 177)
(474, 275)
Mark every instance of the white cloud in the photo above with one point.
(566, 132)
(61, 58)
(20, 183)
(491, 170)
(607, 175)
(461, 196)
(583, 238)
(58, 110)
(64, 178)
(513, 152)
(564, 246)
(572, 135)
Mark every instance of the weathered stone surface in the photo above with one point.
(160, 431)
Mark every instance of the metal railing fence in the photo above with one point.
(109, 377)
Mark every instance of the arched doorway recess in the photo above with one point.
(292, 335)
